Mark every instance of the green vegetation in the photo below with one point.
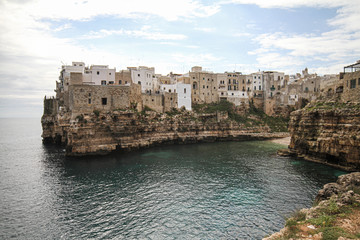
(253, 117)
(80, 118)
(331, 105)
(147, 108)
(96, 112)
(173, 112)
(325, 221)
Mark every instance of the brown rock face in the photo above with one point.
(101, 133)
(327, 132)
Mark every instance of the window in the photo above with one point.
(104, 101)
(353, 83)
(259, 87)
(120, 82)
(359, 82)
(234, 81)
(169, 90)
(203, 86)
(111, 82)
(194, 86)
(254, 77)
(125, 82)
(184, 90)
(109, 73)
(254, 87)
(243, 95)
(139, 82)
(243, 81)
(207, 86)
(103, 82)
(89, 101)
(98, 73)
(229, 87)
(278, 87)
(139, 75)
(232, 94)
(89, 94)
(278, 78)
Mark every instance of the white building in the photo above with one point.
(237, 97)
(101, 75)
(184, 95)
(143, 76)
(257, 81)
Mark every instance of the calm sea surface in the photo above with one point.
(230, 190)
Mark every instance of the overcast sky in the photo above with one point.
(37, 37)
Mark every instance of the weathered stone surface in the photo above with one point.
(328, 133)
(341, 194)
(126, 130)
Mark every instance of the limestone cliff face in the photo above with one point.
(327, 132)
(100, 133)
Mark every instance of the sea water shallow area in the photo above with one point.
(224, 190)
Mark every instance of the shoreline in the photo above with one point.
(283, 141)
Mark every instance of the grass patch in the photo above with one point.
(276, 124)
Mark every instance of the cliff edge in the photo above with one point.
(335, 214)
(102, 132)
(327, 132)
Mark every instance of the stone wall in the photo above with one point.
(351, 91)
(170, 101)
(87, 98)
(153, 101)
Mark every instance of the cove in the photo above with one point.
(222, 190)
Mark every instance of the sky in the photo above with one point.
(38, 36)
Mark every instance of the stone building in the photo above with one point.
(351, 82)
(123, 78)
(204, 86)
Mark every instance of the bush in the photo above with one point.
(80, 118)
(96, 112)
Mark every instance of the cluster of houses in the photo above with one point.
(85, 89)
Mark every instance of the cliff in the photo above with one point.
(104, 132)
(335, 214)
(327, 132)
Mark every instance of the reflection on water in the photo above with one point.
(203, 191)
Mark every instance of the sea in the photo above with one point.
(222, 190)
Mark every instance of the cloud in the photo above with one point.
(292, 3)
(144, 33)
(63, 27)
(80, 10)
(283, 50)
(205, 29)
(203, 58)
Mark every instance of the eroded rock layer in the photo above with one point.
(328, 132)
(100, 133)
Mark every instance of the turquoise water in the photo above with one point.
(225, 190)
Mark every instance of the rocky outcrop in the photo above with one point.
(104, 132)
(327, 132)
(336, 214)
